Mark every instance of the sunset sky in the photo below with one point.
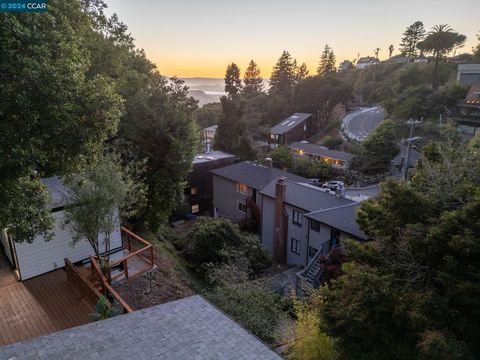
(191, 38)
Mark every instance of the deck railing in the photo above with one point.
(82, 284)
(107, 289)
(130, 240)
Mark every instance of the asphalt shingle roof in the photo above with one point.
(289, 123)
(305, 196)
(341, 218)
(189, 328)
(317, 150)
(253, 174)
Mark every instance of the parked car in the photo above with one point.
(333, 185)
(316, 182)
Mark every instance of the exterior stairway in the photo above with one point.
(92, 278)
(311, 276)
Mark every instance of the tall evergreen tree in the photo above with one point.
(253, 82)
(232, 135)
(411, 37)
(233, 83)
(283, 78)
(327, 62)
(302, 72)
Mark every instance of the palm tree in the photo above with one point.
(439, 42)
(390, 51)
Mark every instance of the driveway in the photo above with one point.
(358, 124)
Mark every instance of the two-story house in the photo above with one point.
(199, 190)
(303, 225)
(297, 127)
(236, 190)
(291, 230)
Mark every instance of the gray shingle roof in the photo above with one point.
(253, 174)
(305, 196)
(317, 150)
(341, 218)
(289, 123)
(189, 328)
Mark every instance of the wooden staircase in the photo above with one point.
(91, 278)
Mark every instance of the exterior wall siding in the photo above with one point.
(226, 198)
(42, 256)
(298, 233)
(268, 211)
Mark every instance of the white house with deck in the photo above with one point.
(41, 255)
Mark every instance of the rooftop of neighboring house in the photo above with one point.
(318, 150)
(289, 123)
(473, 96)
(367, 59)
(305, 196)
(57, 190)
(473, 68)
(341, 218)
(189, 328)
(211, 156)
(253, 174)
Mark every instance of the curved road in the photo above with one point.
(358, 124)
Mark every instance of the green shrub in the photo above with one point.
(219, 241)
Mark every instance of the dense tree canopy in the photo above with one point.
(88, 81)
(319, 95)
(54, 116)
(379, 148)
(413, 290)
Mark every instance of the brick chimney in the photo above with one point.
(280, 223)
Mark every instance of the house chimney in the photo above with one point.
(280, 223)
(269, 162)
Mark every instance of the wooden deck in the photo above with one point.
(39, 306)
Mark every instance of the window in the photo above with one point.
(295, 246)
(315, 225)
(242, 207)
(297, 218)
(242, 188)
(193, 190)
(312, 251)
(195, 209)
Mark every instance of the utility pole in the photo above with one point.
(412, 122)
